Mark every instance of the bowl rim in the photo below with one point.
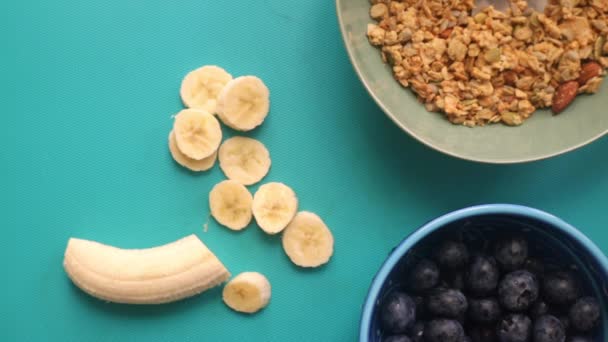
(372, 93)
(441, 221)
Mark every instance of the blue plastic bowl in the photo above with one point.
(550, 238)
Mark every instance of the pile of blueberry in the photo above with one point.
(503, 295)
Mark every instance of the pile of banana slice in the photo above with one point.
(187, 267)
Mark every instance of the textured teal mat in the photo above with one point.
(88, 88)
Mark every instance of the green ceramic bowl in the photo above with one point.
(542, 136)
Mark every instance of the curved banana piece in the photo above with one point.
(156, 275)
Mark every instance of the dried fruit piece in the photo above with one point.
(589, 71)
(564, 95)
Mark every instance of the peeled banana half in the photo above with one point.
(156, 275)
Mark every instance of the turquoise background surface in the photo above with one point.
(88, 90)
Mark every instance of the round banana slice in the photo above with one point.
(307, 241)
(244, 103)
(248, 292)
(274, 206)
(244, 160)
(230, 204)
(201, 87)
(198, 134)
(189, 163)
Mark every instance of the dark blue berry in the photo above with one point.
(398, 313)
(511, 253)
(579, 339)
(514, 328)
(565, 321)
(455, 280)
(518, 290)
(421, 311)
(585, 314)
(535, 266)
(452, 255)
(483, 333)
(443, 330)
(416, 333)
(484, 310)
(560, 288)
(447, 303)
(467, 339)
(540, 308)
(424, 276)
(548, 329)
(482, 275)
(397, 338)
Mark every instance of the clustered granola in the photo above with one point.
(493, 66)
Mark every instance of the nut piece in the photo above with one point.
(511, 118)
(589, 71)
(378, 11)
(445, 34)
(564, 95)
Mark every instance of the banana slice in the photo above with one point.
(156, 275)
(230, 204)
(307, 240)
(198, 134)
(274, 206)
(189, 163)
(248, 292)
(244, 103)
(201, 87)
(244, 160)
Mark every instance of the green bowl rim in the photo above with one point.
(420, 138)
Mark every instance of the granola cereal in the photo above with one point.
(492, 66)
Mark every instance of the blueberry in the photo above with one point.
(447, 303)
(565, 321)
(416, 333)
(397, 338)
(535, 266)
(540, 308)
(514, 328)
(560, 288)
(443, 330)
(467, 339)
(482, 275)
(424, 276)
(398, 313)
(518, 290)
(579, 339)
(452, 255)
(511, 253)
(548, 329)
(485, 310)
(421, 311)
(455, 280)
(585, 314)
(483, 333)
